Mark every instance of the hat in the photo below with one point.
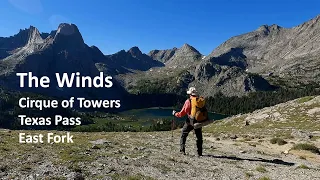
(192, 91)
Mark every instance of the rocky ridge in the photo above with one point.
(287, 52)
(133, 59)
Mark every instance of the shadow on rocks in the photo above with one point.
(273, 161)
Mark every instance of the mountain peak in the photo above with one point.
(263, 28)
(68, 35)
(275, 27)
(32, 27)
(184, 57)
(267, 28)
(34, 36)
(135, 51)
(188, 48)
(67, 29)
(186, 45)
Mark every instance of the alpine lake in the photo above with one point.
(161, 113)
(144, 119)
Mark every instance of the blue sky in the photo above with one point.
(113, 25)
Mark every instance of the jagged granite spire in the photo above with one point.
(34, 36)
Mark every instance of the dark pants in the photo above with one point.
(184, 134)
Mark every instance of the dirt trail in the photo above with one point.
(154, 156)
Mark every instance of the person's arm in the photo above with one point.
(185, 109)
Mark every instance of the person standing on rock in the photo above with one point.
(188, 126)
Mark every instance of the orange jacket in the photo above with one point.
(186, 109)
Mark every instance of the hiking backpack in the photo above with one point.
(199, 111)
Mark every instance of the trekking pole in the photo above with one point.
(172, 126)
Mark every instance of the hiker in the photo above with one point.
(190, 121)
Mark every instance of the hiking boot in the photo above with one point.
(182, 152)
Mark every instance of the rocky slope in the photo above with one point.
(184, 57)
(233, 149)
(283, 120)
(181, 58)
(210, 78)
(8, 44)
(187, 68)
(287, 52)
(162, 55)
